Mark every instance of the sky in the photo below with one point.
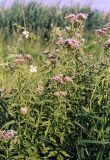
(103, 5)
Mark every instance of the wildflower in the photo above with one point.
(82, 40)
(7, 135)
(53, 58)
(77, 18)
(72, 18)
(107, 43)
(107, 25)
(25, 34)
(104, 29)
(33, 69)
(100, 32)
(19, 60)
(28, 57)
(68, 79)
(72, 43)
(61, 93)
(59, 79)
(82, 16)
(23, 110)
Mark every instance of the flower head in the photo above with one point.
(72, 18)
(82, 16)
(28, 57)
(68, 79)
(59, 79)
(23, 110)
(77, 17)
(7, 135)
(60, 93)
(25, 34)
(72, 43)
(107, 43)
(33, 69)
(100, 32)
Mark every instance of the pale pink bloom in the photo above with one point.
(100, 32)
(19, 60)
(107, 25)
(82, 16)
(61, 93)
(73, 43)
(59, 79)
(67, 79)
(23, 110)
(7, 135)
(107, 43)
(104, 29)
(77, 17)
(28, 57)
(72, 18)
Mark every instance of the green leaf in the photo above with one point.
(8, 124)
(47, 129)
(52, 154)
(64, 153)
(62, 137)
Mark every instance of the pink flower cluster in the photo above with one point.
(20, 59)
(77, 17)
(104, 30)
(72, 43)
(61, 79)
(53, 58)
(107, 43)
(7, 135)
(23, 110)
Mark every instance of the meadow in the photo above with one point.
(55, 89)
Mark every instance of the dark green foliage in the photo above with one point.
(40, 19)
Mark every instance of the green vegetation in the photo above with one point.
(55, 87)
